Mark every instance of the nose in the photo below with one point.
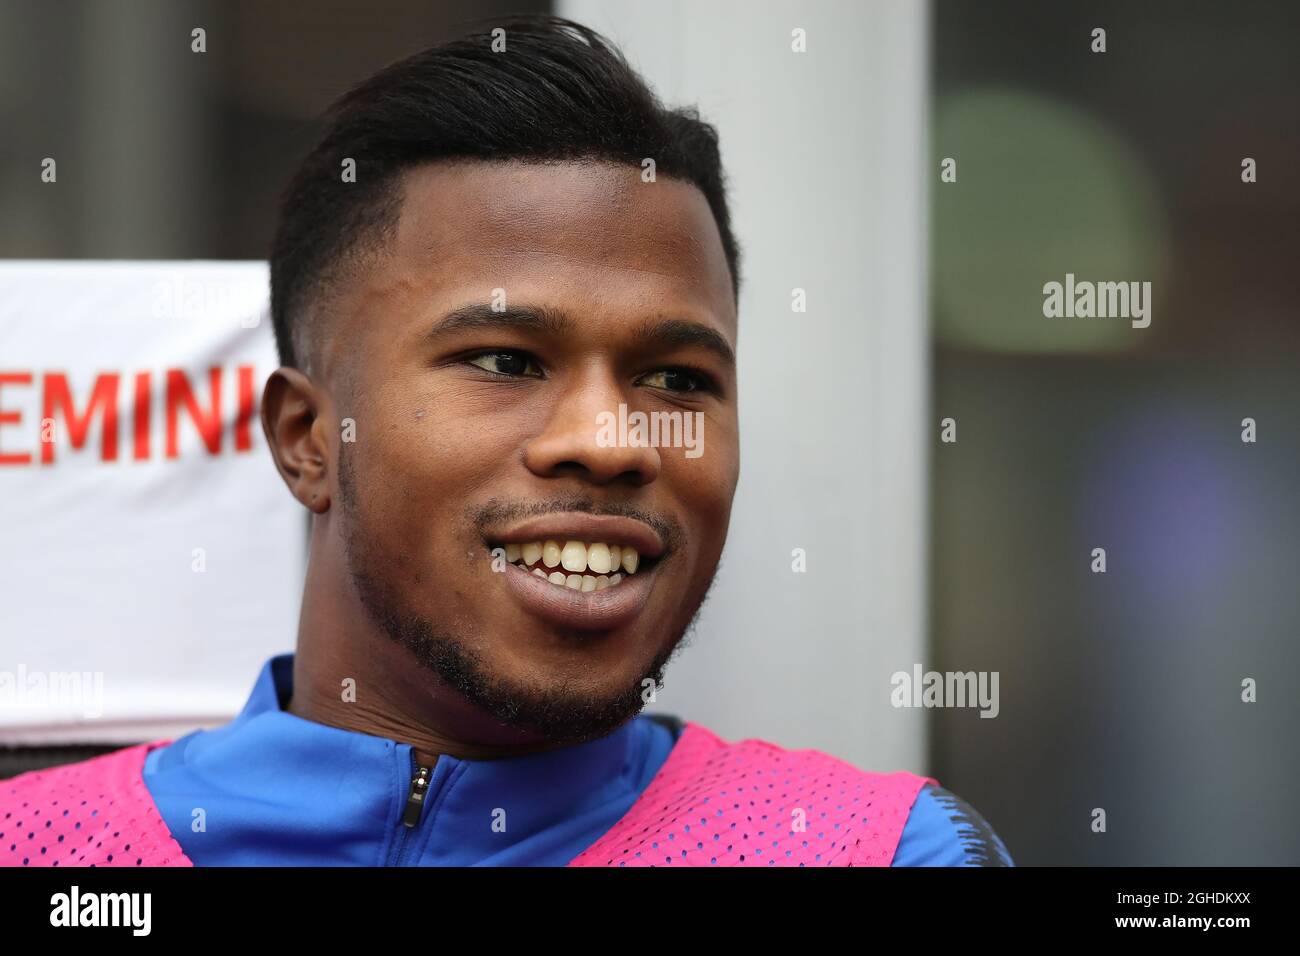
(572, 442)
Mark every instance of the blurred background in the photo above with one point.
(1120, 690)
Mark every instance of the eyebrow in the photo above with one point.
(480, 317)
(669, 333)
(681, 333)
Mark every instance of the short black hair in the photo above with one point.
(560, 91)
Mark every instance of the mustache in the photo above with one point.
(498, 511)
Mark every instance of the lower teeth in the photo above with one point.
(576, 582)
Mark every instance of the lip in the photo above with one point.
(581, 610)
(589, 528)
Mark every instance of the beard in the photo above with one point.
(562, 712)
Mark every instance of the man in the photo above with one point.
(496, 245)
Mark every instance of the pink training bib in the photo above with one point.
(94, 813)
(754, 803)
(712, 803)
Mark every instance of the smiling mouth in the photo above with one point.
(578, 565)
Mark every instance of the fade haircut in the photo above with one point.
(559, 92)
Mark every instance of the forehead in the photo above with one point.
(575, 236)
(585, 213)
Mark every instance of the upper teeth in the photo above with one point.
(575, 557)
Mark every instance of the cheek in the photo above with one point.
(422, 466)
(434, 439)
(705, 487)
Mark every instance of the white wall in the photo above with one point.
(825, 152)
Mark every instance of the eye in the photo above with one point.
(677, 380)
(505, 362)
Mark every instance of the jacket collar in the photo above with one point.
(295, 779)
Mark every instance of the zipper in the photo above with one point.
(415, 797)
(419, 790)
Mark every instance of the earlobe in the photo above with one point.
(292, 408)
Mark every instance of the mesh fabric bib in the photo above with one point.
(712, 803)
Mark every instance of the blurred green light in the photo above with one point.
(1042, 190)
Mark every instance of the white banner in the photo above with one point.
(150, 556)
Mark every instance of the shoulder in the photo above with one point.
(700, 745)
(94, 811)
(944, 830)
(37, 790)
(752, 802)
(825, 794)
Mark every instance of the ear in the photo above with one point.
(295, 421)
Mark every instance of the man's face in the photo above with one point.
(516, 305)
